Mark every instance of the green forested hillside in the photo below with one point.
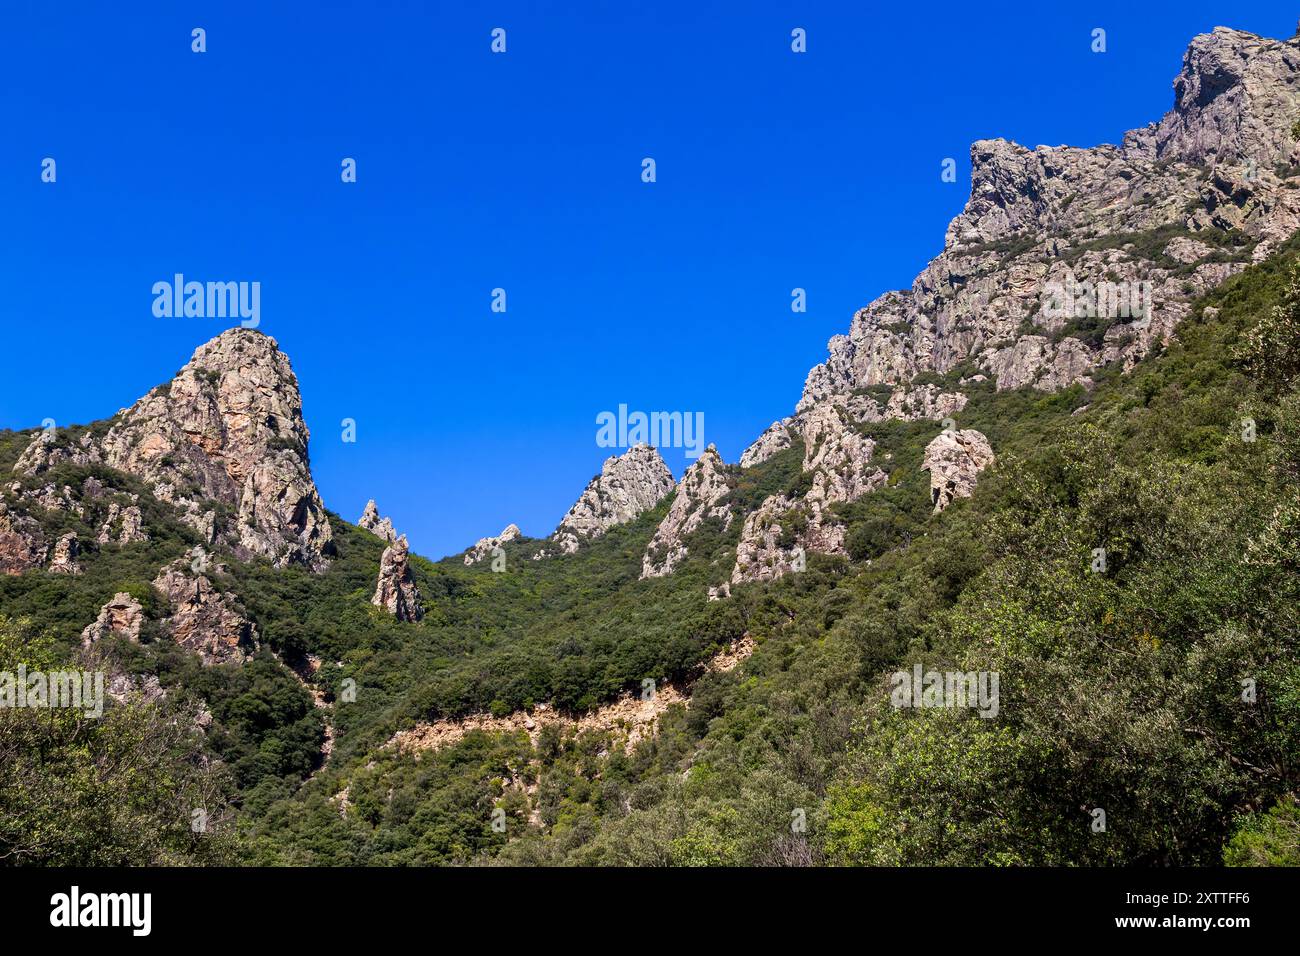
(1121, 690)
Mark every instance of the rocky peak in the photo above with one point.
(485, 546)
(396, 591)
(228, 428)
(1234, 100)
(773, 441)
(627, 485)
(700, 495)
(380, 527)
(954, 460)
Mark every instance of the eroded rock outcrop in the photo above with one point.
(51, 447)
(778, 536)
(773, 441)
(228, 428)
(22, 543)
(63, 560)
(203, 618)
(379, 527)
(396, 591)
(52, 498)
(954, 460)
(122, 615)
(485, 546)
(124, 525)
(627, 485)
(700, 495)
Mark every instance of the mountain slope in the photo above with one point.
(938, 499)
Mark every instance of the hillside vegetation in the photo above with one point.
(1122, 690)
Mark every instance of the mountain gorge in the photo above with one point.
(697, 672)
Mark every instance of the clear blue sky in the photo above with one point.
(520, 171)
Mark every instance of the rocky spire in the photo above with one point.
(125, 525)
(396, 591)
(954, 460)
(229, 429)
(484, 546)
(627, 485)
(64, 558)
(700, 494)
(380, 527)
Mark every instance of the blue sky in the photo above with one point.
(520, 171)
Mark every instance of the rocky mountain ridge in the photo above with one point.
(1165, 207)
(1175, 209)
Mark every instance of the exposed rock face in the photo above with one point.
(1235, 97)
(145, 688)
(484, 546)
(838, 457)
(52, 499)
(22, 544)
(905, 404)
(954, 460)
(777, 537)
(123, 525)
(396, 591)
(1222, 159)
(64, 558)
(227, 428)
(204, 619)
(773, 441)
(627, 485)
(50, 448)
(380, 527)
(122, 615)
(769, 542)
(700, 494)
